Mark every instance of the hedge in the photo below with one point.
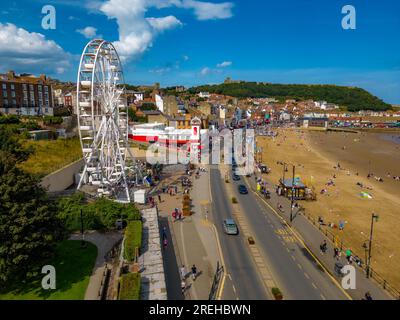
(129, 287)
(133, 239)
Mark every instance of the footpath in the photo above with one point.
(191, 240)
(311, 236)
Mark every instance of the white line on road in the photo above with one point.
(313, 284)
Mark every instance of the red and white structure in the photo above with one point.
(167, 136)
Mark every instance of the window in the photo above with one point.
(31, 87)
(14, 102)
(4, 93)
(12, 86)
(46, 89)
(24, 87)
(40, 87)
(4, 86)
(5, 102)
(13, 94)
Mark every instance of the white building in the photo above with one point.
(204, 95)
(159, 102)
(139, 96)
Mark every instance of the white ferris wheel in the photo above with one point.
(103, 121)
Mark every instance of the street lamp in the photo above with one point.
(285, 168)
(374, 217)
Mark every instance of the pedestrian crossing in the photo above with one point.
(285, 235)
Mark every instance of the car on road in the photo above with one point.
(243, 189)
(235, 177)
(230, 227)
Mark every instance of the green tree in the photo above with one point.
(29, 228)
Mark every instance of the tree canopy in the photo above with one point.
(29, 227)
(354, 99)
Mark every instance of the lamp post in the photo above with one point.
(374, 217)
(82, 232)
(293, 190)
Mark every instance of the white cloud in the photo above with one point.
(25, 51)
(205, 71)
(136, 32)
(88, 32)
(209, 10)
(185, 58)
(165, 23)
(224, 64)
(161, 71)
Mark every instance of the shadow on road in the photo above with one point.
(171, 268)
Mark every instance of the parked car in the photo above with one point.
(230, 227)
(243, 189)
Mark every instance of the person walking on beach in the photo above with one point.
(159, 198)
(164, 232)
(194, 272)
(165, 243)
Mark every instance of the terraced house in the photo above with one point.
(25, 94)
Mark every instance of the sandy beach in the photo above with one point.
(317, 156)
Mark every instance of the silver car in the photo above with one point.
(230, 227)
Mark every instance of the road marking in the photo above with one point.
(234, 289)
(305, 246)
(299, 265)
(313, 284)
(294, 258)
(322, 296)
(306, 275)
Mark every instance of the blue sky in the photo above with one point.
(194, 42)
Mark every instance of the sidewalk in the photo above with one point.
(313, 237)
(104, 243)
(152, 274)
(188, 240)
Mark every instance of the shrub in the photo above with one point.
(52, 120)
(97, 215)
(129, 287)
(277, 293)
(9, 119)
(133, 239)
(234, 200)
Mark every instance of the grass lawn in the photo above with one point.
(51, 155)
(73, 266)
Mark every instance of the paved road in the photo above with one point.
(243, 280)
(294, 269)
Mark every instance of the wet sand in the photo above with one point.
(316, 154)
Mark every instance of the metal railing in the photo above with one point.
(373, 274)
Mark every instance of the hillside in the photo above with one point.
(354, 99)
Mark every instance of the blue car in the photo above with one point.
(243, 189)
